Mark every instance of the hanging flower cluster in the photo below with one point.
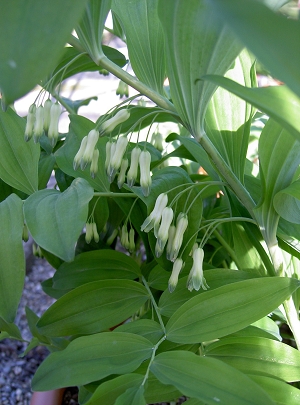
(127, 238)
(169, 234)
(43, 120)
(91, 232)
(87, 153)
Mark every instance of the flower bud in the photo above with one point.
(155, 215)
(181, 226)
(124, 237)
(173, 280)
(134, 165)
(47, 109)
(79, 154)
(122, 173)
(196, 278)
(94, 164)
(108, 153)
(145, 179)
(88, 232)
(53, 127)
(39, 124)
(95, 232)
(29, 130)
(109, 125)
(163, 232)
(158, 250)
(122, 89)
(87, 156)
(195, 246)
(131, 247)
(171, 235)
(25, 233)
(116, 158)
(157, 141)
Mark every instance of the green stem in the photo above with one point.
(154, 304)
(152, 358)
(225, 171)
(113, 195)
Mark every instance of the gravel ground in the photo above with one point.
(16, 371)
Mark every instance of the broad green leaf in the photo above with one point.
(257, 355)
(197, 152)
(287, 202)
(133, 396)
(12, 260)
(90, 29)
(279, 157)
(46, 165)
(55, 220)
(228, 118)
(170, 302)
(35, 33)
(158, 278)
(280, 392)
(91, 358)
(211, 49)
(246, 253)
(19, 159)
(227, 309)
(79, 128)
(254, 24)
(108, 392)
(9, 330)
(279, 102)
(83, 63)
(264, 327)
(207, 379)
(144, 35)
(148, 328)
(93, 307)
(94, 266)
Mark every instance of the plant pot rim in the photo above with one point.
(53, 397)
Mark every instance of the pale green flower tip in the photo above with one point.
(95, 232)
(38, 129)
(166, 220)
(116, 158)
(122, 174)
(173, 280)
(47, 109)
(146, 190)
(134, 164)
(88, 232)
(131, 247)
(94, 164)
(158, 250)
(147, 225)
(122, 89)
(110, 124)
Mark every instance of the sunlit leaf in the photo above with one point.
(287, 202)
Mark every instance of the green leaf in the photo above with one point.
(98, 355)
(280, 392)
(94, 266)
(254, 24)
(133, 396)
(19, 159)
(279, 102)
(90, 28)
(46, 165)
(79, 128)
(227, 309)
(93, 307)
(35, 33)
(279, 157)
(144, 35)
(12, 269)
(148, 328)
(257, 355)
(9, 330)
(264, 327)
(55, 220)
(211, 49)
(207, 379)
(83, 63)
(287, 202)
(170, 302)
(108, 392)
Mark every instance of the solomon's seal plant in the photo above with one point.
(190, 242)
